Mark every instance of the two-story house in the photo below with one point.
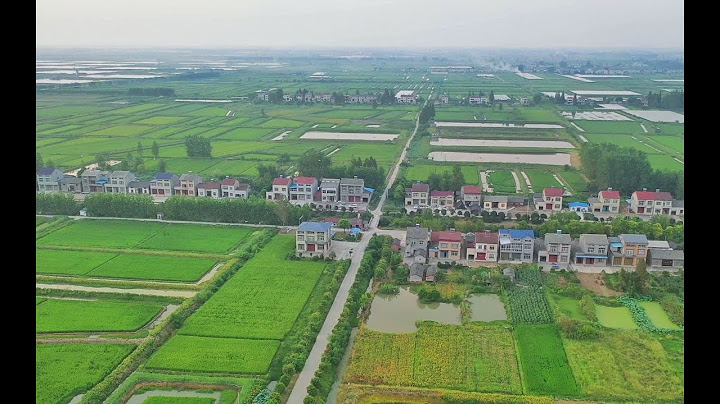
(71, 184)
(302, 190)
(330, 190)
(665, 259)
(280, 189)
(232, 188)
(313, 238)
(48, 180)
(607, 201)
(418, 195)
(442, 199)
(139, 187)
(446, 245)
(470, 194)
(549, 200)
(417, 239)
(118, 182)
(351, 189)
(484, 247)
(556, 251)
(627, 249)
(677, 208)
(163, 184)
(188, 184)
(94, 180)
(592, 251)
(209, 190)
(405, 97)
(651, 203)
(516, 245)
(495, 203)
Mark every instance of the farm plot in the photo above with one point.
(65, 370)
(153, 267)
(90, 316)
(197, 237)
(575, 180)
(232, 167)
(502, 181)
(609, 127)
(595, 116)
(541, 179)
(101, 233)
(558, 159)
(247, 307)
(665, 163)
(137, 108)
(675, 143)
(245, 134)
(529, 305)
(68, 262)
(282, 123)
(623, 365)
(172, 132)
(348, 136)
(545, 367)
(615, 317)
(120, 130)
(658, 116)
(160, 120)
(658, 316)
(570, 307)
(471, 358)
(621, 140)
(179, 400)
(206, 354)
(65, 111)
(347, 113)
(551, 144)
(422, 172)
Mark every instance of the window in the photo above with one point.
(641, 203)
(320, 247)
(526, 256)
(658, 203)
(641, 252)
(591, 249)
(454, 253)
(443, 245)
(564, 249)
(629, 253)
(301, 247)
(601, 250)
(492, 247)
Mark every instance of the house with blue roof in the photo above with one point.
(516, 245)
(579, 207)
(313, 239)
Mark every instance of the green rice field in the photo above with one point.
(544, 366)
(91, 316)
(68, 262)
(153, 267)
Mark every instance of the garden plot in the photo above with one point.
(659, 116)
(552, 144)
(349, 136)
(281, 136)
(528, 76)
(595, 116)
(558, 159)
(499, 125)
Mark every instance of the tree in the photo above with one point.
(500, 107)
(344, 224)
(197, 146)
(155, 149)
(491, 97)
(139, 148)
(314, 164)
(282, 210)
(537, 98)
(38, 162)
(162, 166)
(458, 179)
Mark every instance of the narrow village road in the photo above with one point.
(148, 292)
(299, 391)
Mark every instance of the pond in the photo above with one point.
(487, 307)
(398, 313)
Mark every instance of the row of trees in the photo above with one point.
(316, 164)
(447, 181)
(427, 113)
(627, 170)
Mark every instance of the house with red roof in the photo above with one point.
(280, 189)
(549, 200)
(651, 203)
(470, 193)
(482, 246)
(232, 188)
(209, 189)
(442, 199)
(607, 201)
(446, 245)
(302, 190)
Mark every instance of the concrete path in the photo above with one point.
(518, 188)
(148, 292)
(299, 391)
(643, 128)
(483, 180)
(583, 138)
(577, 127)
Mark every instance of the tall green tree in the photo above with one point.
(139, 148)
(162, 166)
(155, 149)
(314, 164)
(38, 162)
(197, 146)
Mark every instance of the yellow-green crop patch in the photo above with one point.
(615, 317)
(245, 133)
(658, 316)
(543, 362)
(64, 370)
(160, 120)
(68, 262)
(282, 123)
(93, 315)
(206, 354)
(197, 237)
(154, 267)
(101, 233)
(120, 130)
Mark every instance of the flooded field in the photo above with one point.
(658, 116)
(487, 307)
(556, 159)
(398, 313)
(348, 136)
(553, 144)
(500, 125)
(595, 116)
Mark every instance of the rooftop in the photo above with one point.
(164, 176)
(442, 193)
(594, 239)
(666, 254)
(282, 181)
(482, 237)
(417, 233)
(405, 93)
(495, 198)
(209, 185)
(304, 180)
(471, 189)
(314, 226)
(446, 236)
(352, 181)
(46, 171)
(229, 181)
(653, 196)
(554, 238)
(608, 194)
(553, 192)
(633, 239)
(517, 233)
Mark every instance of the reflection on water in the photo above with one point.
(398, 313)
(487, 307)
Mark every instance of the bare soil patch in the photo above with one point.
(595, 283)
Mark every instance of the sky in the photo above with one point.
(617, 24)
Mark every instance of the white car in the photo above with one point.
(354, 205)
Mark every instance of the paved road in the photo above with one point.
(313, 361)
(148, 292)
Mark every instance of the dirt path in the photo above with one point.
(574, 159)
(527, 181)
(595, 283)
(148, 292)
(518, 188)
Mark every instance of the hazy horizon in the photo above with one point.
(367, 24)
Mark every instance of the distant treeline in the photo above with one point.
(153, 92)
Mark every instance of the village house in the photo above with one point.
(651, 203)
(351, 189)
(139, 187)
(94, 180)
(549, 200)
(446, 245)
(475, 99)
(302, 190)
(444, 99)
(665, 259)
(232, 188)
(418, 195)
(280, 189)
(607, 201)
(592, 250)
(484, 247)
(330, 190)
(118, 182)
(209, 189)
(579, 207)
(556, 250)
(405, 97)
(524, 101)
(417, 272)
(442, 199)
(430, 273)
(313, 238)
(48, 180)
(677, 209)
(627, 249)
(163, 184)
(187, 184)
(516, 245)
(416, 239)
(495, 203)
(71, 184)
(470, 193)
